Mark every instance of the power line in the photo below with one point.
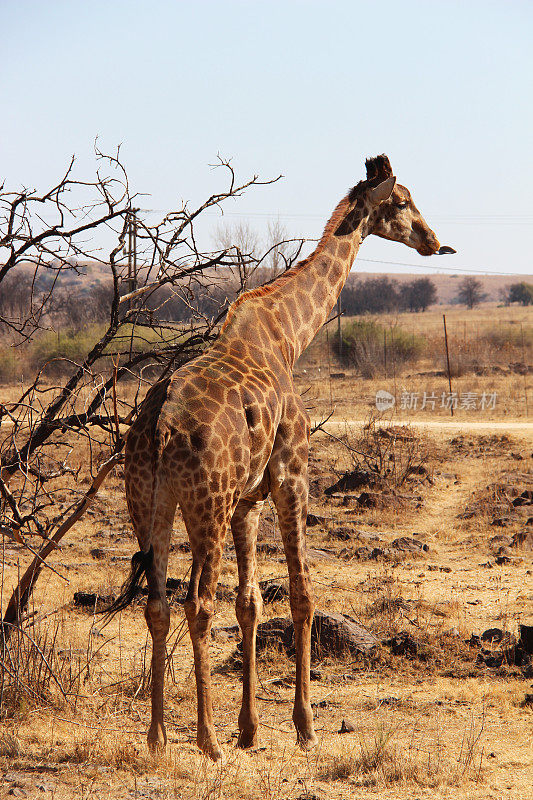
(476, 270)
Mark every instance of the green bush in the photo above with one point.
(60, 348)
(8, 363)
(371, 347)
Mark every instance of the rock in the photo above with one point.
(352, 480)
(408, 545)
(343, 533)
(402, 644)
(505, 559)
(369, 500)
(501, 522)
(92, 600)
(278, 631)
(523, 540)
(500, 540)
(524, 499)
(314, 519)
(347, 726)
(336, 634)
(382, 552)
(274, 590)
(97, 552)
(492, 635)
(489, 659)
(14, 777)
(321, 554)
(349, 500)
(526, 638)
(362, 553)
(331, 634)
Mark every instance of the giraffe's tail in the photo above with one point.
(140, 563)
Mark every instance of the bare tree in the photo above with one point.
(281, 250)
(242, 244)
(471, 292)
(258, 260)
(48, 238)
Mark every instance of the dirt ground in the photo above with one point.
(435, 712)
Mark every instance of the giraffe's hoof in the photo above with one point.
(157, 740)
(307, 740)
(247, 739)
(210, 747)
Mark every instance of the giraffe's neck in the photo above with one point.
(298, 302)
(304, 300)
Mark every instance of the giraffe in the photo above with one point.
(228, 429)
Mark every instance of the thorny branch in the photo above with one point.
(94, 324)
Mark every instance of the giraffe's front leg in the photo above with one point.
(248, 609)
(289, 486)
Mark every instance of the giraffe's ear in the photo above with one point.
(382, 191)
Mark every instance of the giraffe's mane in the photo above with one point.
(261, 291)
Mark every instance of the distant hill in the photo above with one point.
(89, 273)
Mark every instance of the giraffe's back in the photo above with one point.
(210, 430)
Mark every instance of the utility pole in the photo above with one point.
(132, 251)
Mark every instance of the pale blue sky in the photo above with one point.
(307, 89)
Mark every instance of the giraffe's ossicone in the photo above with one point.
(226, 430)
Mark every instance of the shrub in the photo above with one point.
(8, 364)
(371, 347)
(60, 348)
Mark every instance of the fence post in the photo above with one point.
(526, 367)
(447, 361)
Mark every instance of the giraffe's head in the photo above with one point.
(391, 211)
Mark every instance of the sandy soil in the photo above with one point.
(437, 726)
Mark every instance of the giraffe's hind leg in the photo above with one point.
(157, 611)
(248, 608)
(207, 541)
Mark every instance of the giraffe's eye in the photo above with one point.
(402, 204)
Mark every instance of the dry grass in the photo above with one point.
(428, 723)
(487, 337)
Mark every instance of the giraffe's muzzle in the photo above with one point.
(444, 250)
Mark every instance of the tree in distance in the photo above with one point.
(471, 292)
